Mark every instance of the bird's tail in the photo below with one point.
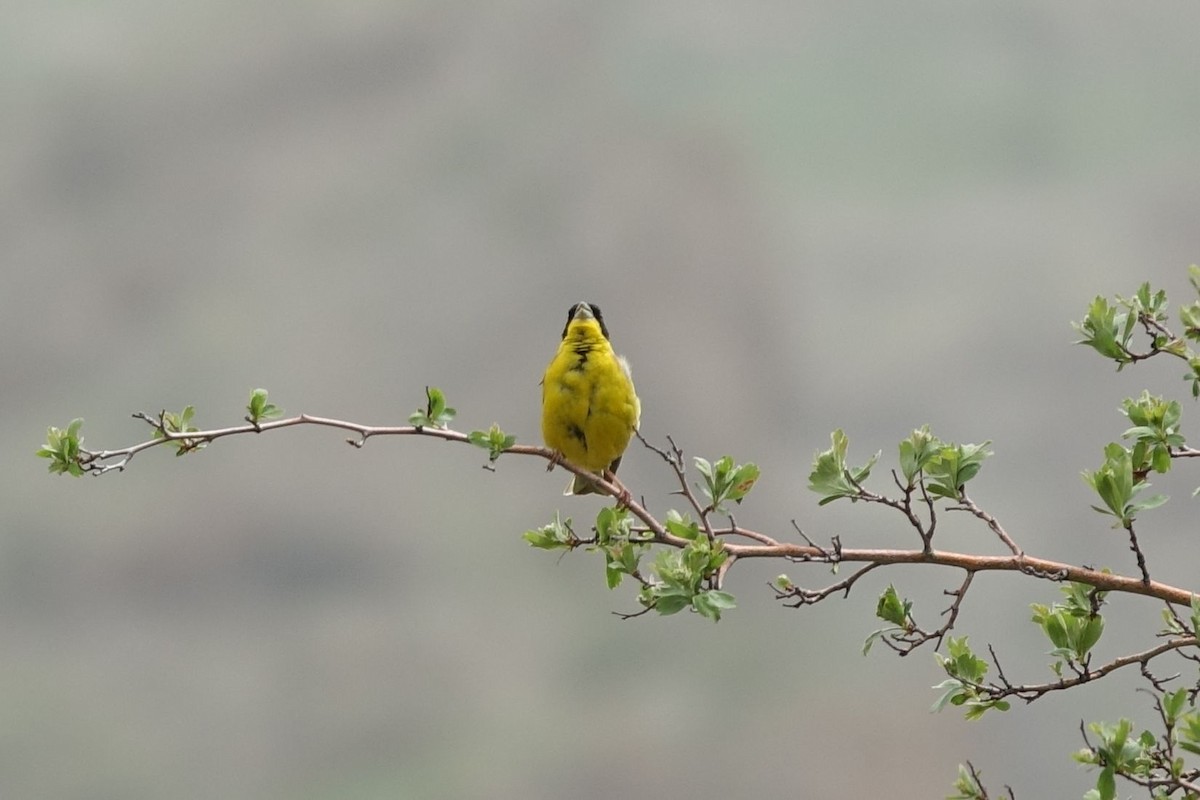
(581, 485)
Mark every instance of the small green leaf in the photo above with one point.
(259, 409)
(891, 608)
(830, 476)
(1117, 485)
(1073, 627)
(436, 413)
(173, 423)
(725, 481)
(952, 466)
(671, 603)
(711, 603)
(494, 440)
(1106, 784)
(1107, 331)
(63, 448)
(613, 524)
(1173, 704)
(915, 452)
(555, 536)
(682, 526)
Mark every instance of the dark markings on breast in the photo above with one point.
(581, 350)
(592, 399)
(576, 432)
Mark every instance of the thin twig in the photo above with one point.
(1137, 552)
(674, 459)
(808, 597)
(1031, 692)
(967, 504)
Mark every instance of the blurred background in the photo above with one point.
(796, 217)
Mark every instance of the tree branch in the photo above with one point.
(102, 461)
(1031, 692)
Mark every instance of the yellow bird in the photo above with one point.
(589, 407)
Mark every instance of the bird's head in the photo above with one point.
(585, 312)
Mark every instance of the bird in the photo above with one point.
(589, 407)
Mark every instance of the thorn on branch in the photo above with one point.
(999, 669)
(1057, 575)
(1156, 682)
(674, 458)
(832, 555)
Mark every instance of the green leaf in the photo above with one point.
(613, 525)
(1156, 429)
(953, 465)
(874, 636)
(1072, 627)
(952, 689)
(671, 603)
(613, 570)
(1107, 331)
(494, 440)
(1187, 730)
(725, 481)
(1173, 704)
(1153, 501)
(961, 662)
(622, 556)
(436, 413)
(1089, 633)
(915, 452)
(682, 526)
(259, 409)
(966, 786)
(173, 423)
(1117, 485)
(830, 476)
(63, 448)
(1189, 315)
(891, 608)
(711, 603)
(1106, 784)
(555, 536)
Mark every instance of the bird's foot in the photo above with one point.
(622, 495)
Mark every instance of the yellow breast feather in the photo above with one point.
(589, 407)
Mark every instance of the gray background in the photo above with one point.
(796, 216)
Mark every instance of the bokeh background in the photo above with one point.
(797, 216)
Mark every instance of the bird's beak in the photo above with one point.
(583, 311)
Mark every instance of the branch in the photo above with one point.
(102, 461)
(674, 459)
(808, 597)
(1034, 567)
(1031, 692)
(967, 504)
